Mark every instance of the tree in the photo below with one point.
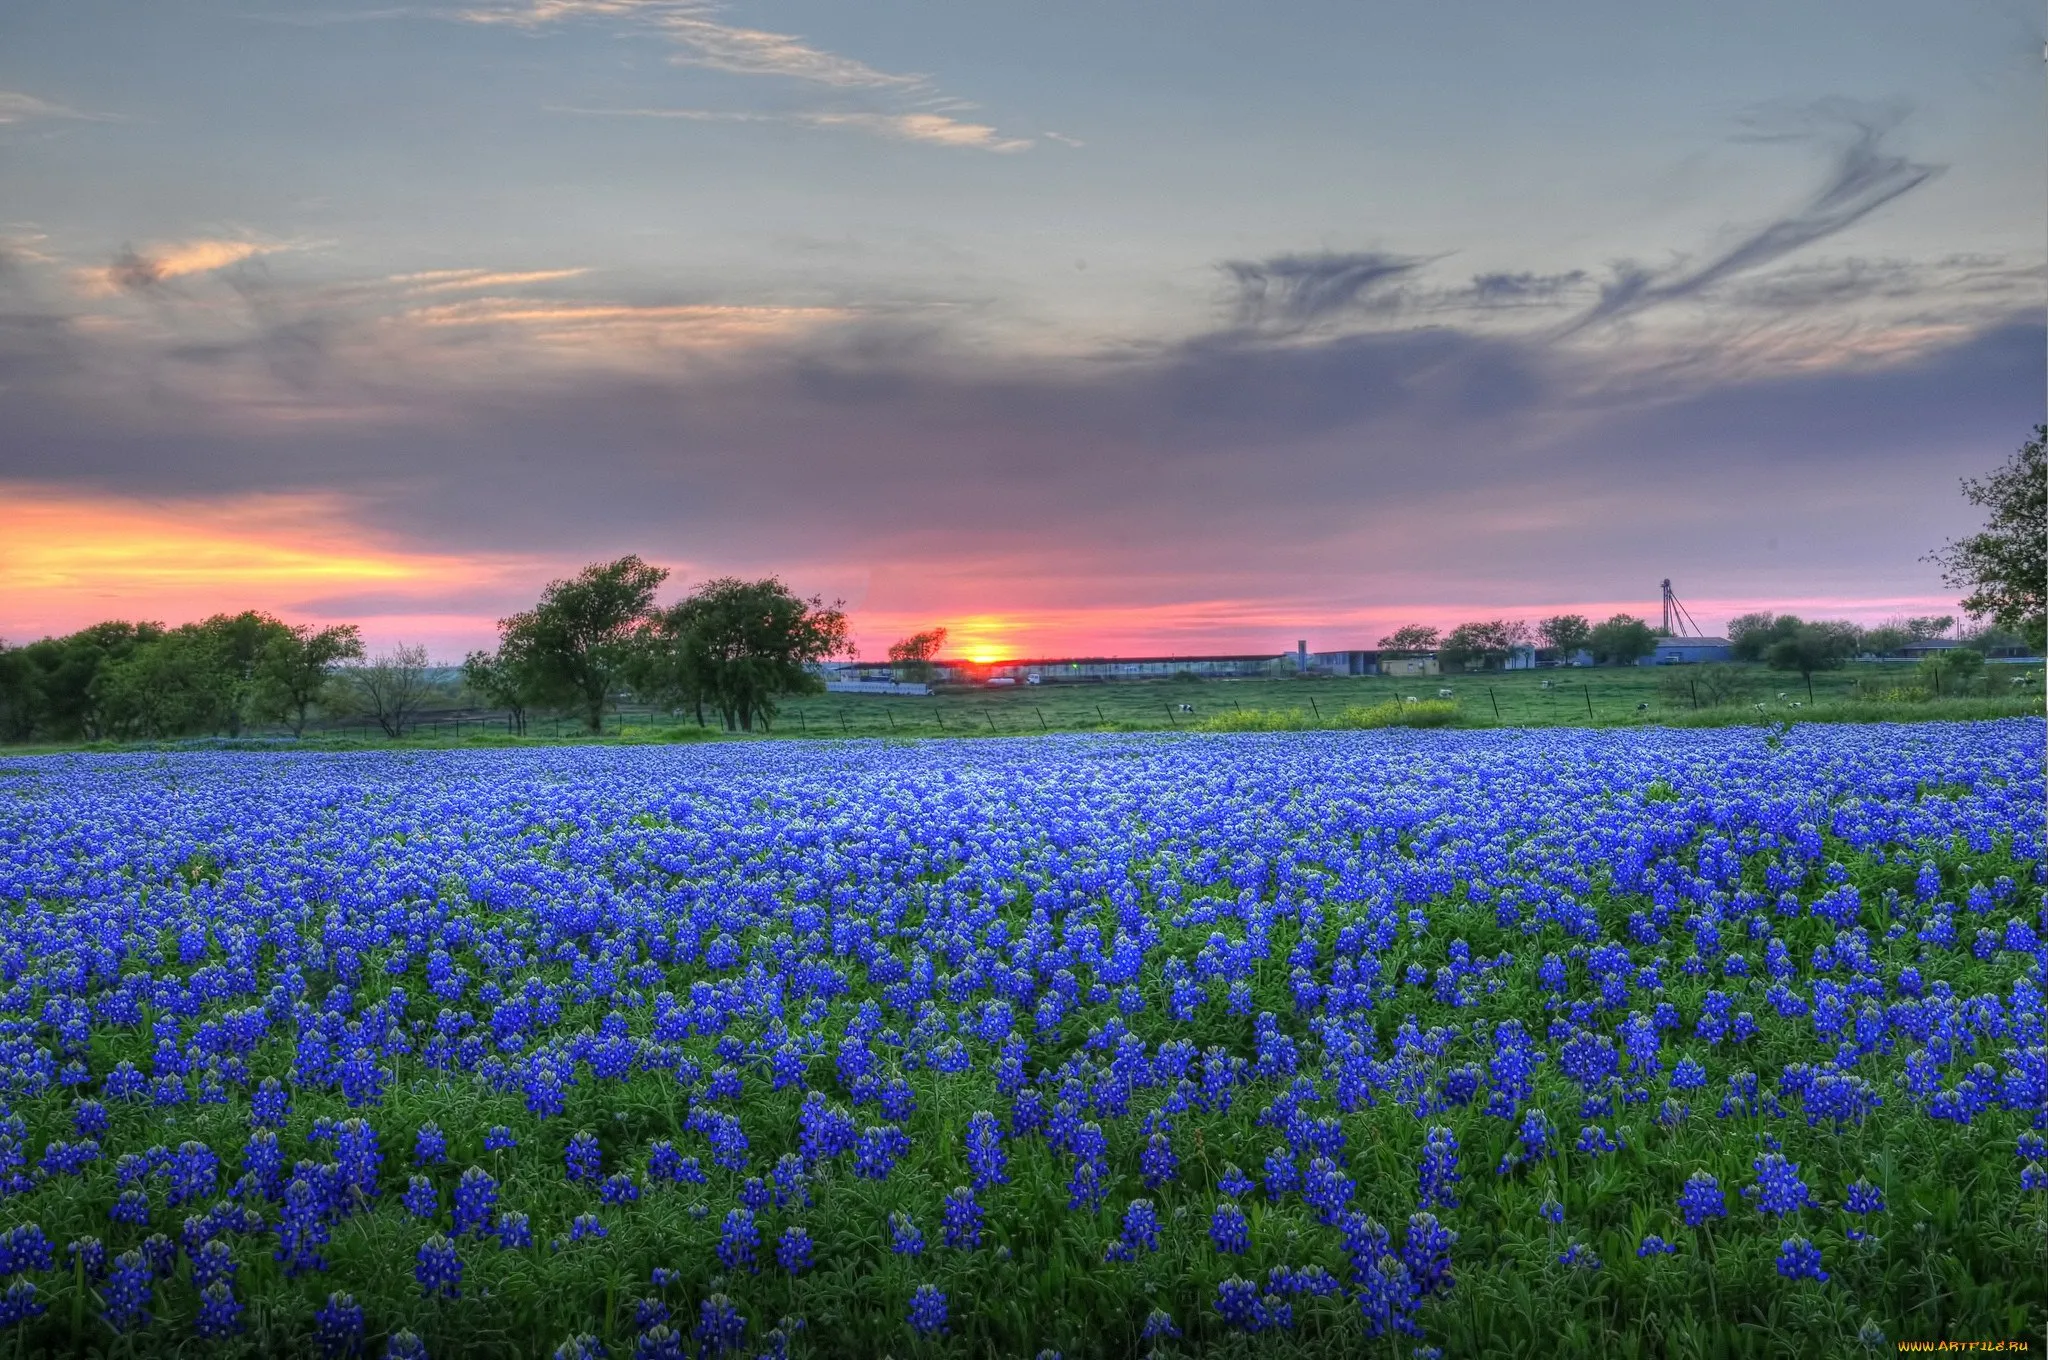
(1812, 647)
(578, 642)
(1930, 627)
(237, 643)
(171, 685)
(1621, 641)
(743, 644)
(1409, 639)
(393, 688)
(296, 669)
(1488, 643)
(502, 679)
(2005, 565)
(1750, 636)
(1885, 639)
(912, 656)
(1567, 633)
(21, 697)
(62, 672)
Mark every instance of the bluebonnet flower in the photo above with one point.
(738, 1240)
(498, 1138)
(1653, 1245)
(220, 1312)
(928, 1310)
(1440, 1169)
(907, 1239)
(429, 1146)
(20, 1303)
(1158, 1326)
(128, 1292)
(793, 1250)
(585, 1227)
(1140, 1227)
(963, 1219)
(1578, 1256)
(1234, 1182)
(879, 1149)
(1230, 1230)
(1701, 1199)
(720, 1327)
(405, 1344)
(618, 1188)
(1550, 1210)
(421, 1200)
(338, 1326)
(582, 1159)
(1427, 1253)
(1158, 1163)
(1778, 1190)
(658, 1341)
(212, 1263)
(476, 1199)
(131, 1206)
(1800, 1259)
(515, 1231)
(986, 1157)
(582, 1346)
(302, 1230)
(1595, 1140)
(439, 1269)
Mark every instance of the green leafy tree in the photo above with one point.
(913, 656)
(179, 683)
(1410, 639)
(2005, 565)
(578, 643)
(502, 679)
(297, 669)
(238, 643)
(21, 696)
(63, 671)
(1812, 647)
(1750, 636)
(1952, 671)
(664, 669)
(1488, 644)
(1885, 639)
(1566, 634)
(744, 644)
(1621, 641)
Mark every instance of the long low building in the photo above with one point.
(1086, 669)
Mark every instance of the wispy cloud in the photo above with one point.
(1863, 178)
(754, 52)
(1290, 292)
(16, 107)
(934, 128)
(605, 327)
(703, 41)
(462, 280)
(137, 271)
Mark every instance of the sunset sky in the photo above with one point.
(1075, 327)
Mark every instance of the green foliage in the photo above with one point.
(1811, 647)
(2004, 566)
(1566, 634)
(1750, 636)
(296, 670)
(1486, 644)
(1394, 713)
(740, 646)
(913, 656)
(1621, 641)
(1410, 639)
(576, 646)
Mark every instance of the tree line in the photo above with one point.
(732, 649)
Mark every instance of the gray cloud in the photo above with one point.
(1863, 178)
(1290, 292)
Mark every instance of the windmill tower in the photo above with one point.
(1677, 622)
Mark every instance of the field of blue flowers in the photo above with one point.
(1394, 1043)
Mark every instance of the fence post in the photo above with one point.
(842, 721)
(1589, 703)
(1313, 709)
(1041, 718)
(991, 718)
(801, 725)
(1098, 716)
(1695, 686)
(1170, 719)
(1809, 687)
(1495, 699)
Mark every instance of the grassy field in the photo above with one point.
(1592, 697)
(1556, 698)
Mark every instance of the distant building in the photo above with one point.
(1922, 647)
(1521, 657)
(1688, 651)
(1424, 664)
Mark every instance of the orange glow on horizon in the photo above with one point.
(70, 559)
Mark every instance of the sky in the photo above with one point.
(1103, 328)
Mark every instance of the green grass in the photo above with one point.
(1588, 697)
